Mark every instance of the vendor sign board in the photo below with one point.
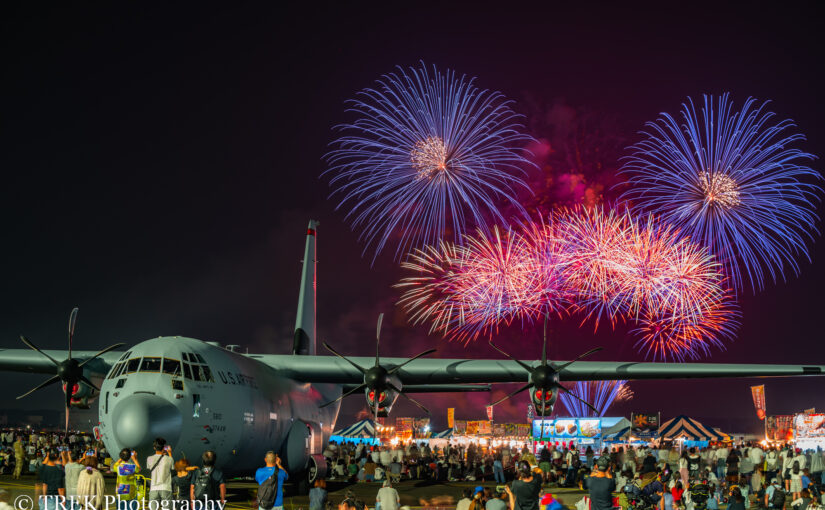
(644, 426)
(779, 427)
(567, 428)
(809, 426)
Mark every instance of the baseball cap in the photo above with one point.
(478, 489)
(603, 463)
(774, 480)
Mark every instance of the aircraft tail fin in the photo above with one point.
(304, 340)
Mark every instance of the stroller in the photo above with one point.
(700, 494)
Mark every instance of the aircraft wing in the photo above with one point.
(431, 371)
(27, 360)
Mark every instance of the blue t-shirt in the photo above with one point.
(262, 474)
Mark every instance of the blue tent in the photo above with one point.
(688, 429)
(359, 432)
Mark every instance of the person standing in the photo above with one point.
(208, 483)
(601, 485)
(270, 480)
(19, 457)
(387, 497)
(90, 486)
(182, 480)
(160, 466)
(71, 468)
(526, 490)
(775, 496)
(51, 482)
(125, 468)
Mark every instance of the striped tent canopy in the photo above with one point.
(444, 434)
(689, 429)
(363, 428)
(725, 437)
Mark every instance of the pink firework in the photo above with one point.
(596, 242)
(668, 336)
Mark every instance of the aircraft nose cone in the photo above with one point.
(139, 419)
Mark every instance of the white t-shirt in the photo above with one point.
(388, 497)
(162, 473)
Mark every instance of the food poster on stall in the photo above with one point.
(404, 428)
(644, 426)
(809, 431)
(779, 427)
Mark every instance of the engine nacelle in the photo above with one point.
(386, 399)
(83, 395)
(547, 397)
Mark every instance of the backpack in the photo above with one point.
(205, 486)
(268, 491)
(778, 498)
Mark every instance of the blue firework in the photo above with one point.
(429, 157)
(732, 180)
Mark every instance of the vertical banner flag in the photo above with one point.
(490, 413)
(450, 417)
(758, 393)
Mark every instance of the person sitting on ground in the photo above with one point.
(318, 496)
(369, 470)
(464, 503)
(90, 485)
(503, 499)
(803, 501)
(387, 497)
(736, 501)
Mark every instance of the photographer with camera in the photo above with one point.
(601, 485)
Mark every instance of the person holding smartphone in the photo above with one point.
(161, 465)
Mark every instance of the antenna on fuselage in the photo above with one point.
(304, 339)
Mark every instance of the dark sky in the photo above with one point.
(160, 164)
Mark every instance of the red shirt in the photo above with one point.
(677, 493)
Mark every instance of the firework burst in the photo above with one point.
(601, 394)
(594, 262)
(428, 155)
(731, 181)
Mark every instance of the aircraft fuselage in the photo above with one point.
(199, 396)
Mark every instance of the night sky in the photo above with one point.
(160, 165)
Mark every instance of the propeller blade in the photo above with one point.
(579, 399)
(47, 382)
(104, 351)
(333, 351)
(378, 335)
(90, 383)
(72, 321)
(399, 367)
(350, 392)
(375, 416)
(414, 401)
(68, 406)
(34, 347)
(544, 345)
(586, 354)
(523, 388)
(523, 365)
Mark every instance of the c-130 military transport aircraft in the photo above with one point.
(199, 395)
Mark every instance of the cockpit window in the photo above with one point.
(185, 356)
(150, 365)
(207, 374)
(133, 365)
(200, 359)
(197, 373)
(113, 371)
(171, 366)
(187, 372)
(125, 355)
